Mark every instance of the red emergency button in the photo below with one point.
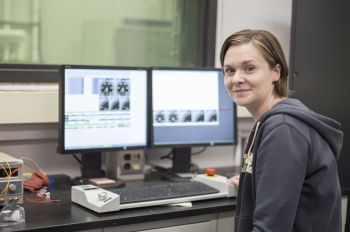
(211, 172)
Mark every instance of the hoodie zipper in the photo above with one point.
(243, 173)
(248, 157)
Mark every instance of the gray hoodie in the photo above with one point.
(293, 183)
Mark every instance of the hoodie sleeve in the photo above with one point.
(281, 162)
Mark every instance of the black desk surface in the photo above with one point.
(67, 216)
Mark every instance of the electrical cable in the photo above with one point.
(167, 156)
(194, 167)
(76, 158)
(200, 151)
(31, 163)
(8, 174)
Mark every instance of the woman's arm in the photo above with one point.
(280, 169)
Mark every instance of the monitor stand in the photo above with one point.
(181, 165)
(182, 160)
(90, 167)
(92, 173)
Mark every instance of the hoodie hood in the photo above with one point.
(328, 128)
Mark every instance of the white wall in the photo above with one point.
(272, 15)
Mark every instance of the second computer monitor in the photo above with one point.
(190, 107)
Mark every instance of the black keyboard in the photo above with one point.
(161, 191)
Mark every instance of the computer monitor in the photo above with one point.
(101, 109)
(190, 107)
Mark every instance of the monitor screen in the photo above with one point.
(102, 108)
(190, 107)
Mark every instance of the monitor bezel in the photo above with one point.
(61, 138)
(179, 145)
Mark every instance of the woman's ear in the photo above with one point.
(277, 72)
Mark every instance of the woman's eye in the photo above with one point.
(229, 71)
(249, 68)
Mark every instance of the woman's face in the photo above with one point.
(248, 77)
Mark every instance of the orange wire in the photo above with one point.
(4, 192)
(43, 201)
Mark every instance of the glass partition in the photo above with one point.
(107, 32)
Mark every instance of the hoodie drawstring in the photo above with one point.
(248, 157)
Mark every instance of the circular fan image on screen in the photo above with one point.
(159, 117)
(106, 88)
(114, 104)
(123, 88)
(125, 104)
(173, 117)
(104, 104)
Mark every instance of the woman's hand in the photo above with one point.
(234, 180)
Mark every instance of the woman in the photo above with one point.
(289, 179)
